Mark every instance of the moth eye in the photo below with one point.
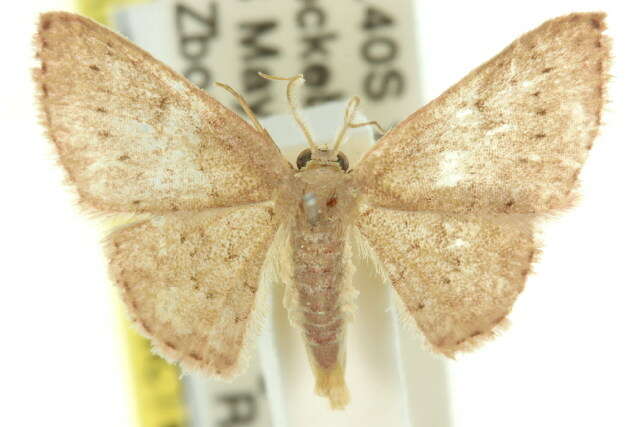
(303, 158)
(343, 161)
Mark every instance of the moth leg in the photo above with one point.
(350, 111)
(373, 123)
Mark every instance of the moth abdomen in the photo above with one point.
(321, 273)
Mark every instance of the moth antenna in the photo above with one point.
(349, 112)
(293, 105)
(246, 108)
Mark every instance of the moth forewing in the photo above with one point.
(511, 137)
(135, 136)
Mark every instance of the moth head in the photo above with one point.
(315, 155)
(322, 156)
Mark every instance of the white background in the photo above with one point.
(570, 358)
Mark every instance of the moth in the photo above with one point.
(445, 204)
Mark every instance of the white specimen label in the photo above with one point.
(345, 48)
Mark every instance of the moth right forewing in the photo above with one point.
(135, 136)
(511, 137)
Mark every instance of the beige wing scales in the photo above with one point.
(134, 136)
(457, 276)
(194, 282)
(511, 137)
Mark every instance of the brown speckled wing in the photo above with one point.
(195, 282)
(511, 137)
(456, 276)
(134, 136)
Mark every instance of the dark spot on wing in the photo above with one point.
(123, 157)
(574, 178)
(101, 110)
(595, 23)
(539, 135)
(94, 67)
(499, 319)
(536, 94)
(104, 133)
(195, 356)
(145, 327)
(541, 112)
(252, 289)
(546, 70)
(332, 202)
(599, 67)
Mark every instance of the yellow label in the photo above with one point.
(157, 386)
(100, 10)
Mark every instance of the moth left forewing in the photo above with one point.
(511, 137)
(195, 282)
(457, 276)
